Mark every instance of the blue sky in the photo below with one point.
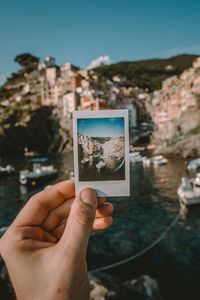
(101, 127)
(79, 31)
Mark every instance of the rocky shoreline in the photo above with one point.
(186, 148)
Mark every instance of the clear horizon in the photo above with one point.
(101, 127)
(80, 32)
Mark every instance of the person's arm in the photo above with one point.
(45, 247)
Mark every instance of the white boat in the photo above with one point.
(189, 191)
(196, 181)
(41, 172)
(135, 157)
(194, 164)
(157, 160)
(146, 161)
(8, 170)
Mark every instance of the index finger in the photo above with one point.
(38, 207)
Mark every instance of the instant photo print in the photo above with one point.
(101, 151)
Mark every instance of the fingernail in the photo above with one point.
(88, 196)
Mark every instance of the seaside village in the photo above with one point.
(170, 116)
(66, 88)
(69, 88)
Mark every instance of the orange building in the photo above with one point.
(88, 103)
(76, 81)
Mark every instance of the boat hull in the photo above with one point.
(188, 198)
(32, 181)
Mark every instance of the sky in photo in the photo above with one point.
(101, 127)
(80, 31)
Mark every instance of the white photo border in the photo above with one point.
(111, 188)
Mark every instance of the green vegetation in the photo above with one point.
(27, 60)
(195, 130)
(101, 140)
(16, 112)
(147, 73)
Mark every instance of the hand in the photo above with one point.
(45, 247)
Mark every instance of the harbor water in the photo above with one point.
(138, 221)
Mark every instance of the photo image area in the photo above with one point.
(101, 149)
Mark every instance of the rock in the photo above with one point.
(187, 147)
(40, 133)
(147, 286)
(107, 287)
(98, 291)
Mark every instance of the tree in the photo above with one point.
(27, 60)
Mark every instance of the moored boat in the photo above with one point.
(8, 170)
(157, 160)
(135, 157)
(189, 191)
(41, 172)
(193, 165)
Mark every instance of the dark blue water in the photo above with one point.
(13, 195)
(138, 221)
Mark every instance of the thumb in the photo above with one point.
(80, 221)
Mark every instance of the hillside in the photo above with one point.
(175, 111)
(147, 73)
(27, 122)
(24, 122)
